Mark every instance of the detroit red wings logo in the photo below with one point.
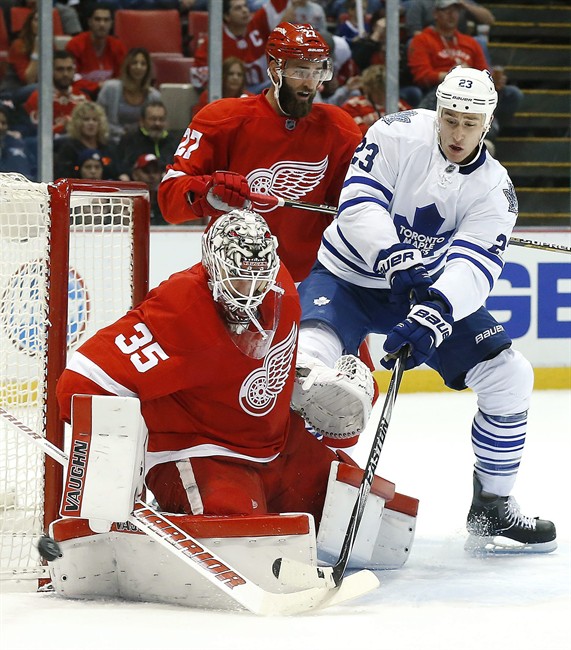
(288, 179)
(260, 390)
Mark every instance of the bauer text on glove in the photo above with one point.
(402, 266)
(423, 330)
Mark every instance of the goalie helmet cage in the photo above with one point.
(75, 257)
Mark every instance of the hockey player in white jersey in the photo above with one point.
(424, 219)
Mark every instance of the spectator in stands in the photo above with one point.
(307, 12)
(66, 94)
(441, 47)
(420, 14)
(244, 36)
(149, 170)
(233, 82)
(123, 98)
(348, 28)
(13, 157)
(23, 59)
(87, 129)
(89, 165)
(151, 136)
(98, 54)
(474, 18)
(368, 107)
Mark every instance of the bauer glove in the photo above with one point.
(402, 266)
(220, 193)
(423, 330)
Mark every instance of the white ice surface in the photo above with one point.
(441, 600)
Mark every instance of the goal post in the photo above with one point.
(74, 258)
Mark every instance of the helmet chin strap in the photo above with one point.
(277, 86)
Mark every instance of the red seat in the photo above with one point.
(197, 26)
(4, 45)
(173, 70)
(159, 31)
(18, 17)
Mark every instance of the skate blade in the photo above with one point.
(482, 546)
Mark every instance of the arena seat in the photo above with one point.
(159, 31)
(174, 70)
(18, 17)
(4, 45)
(179, 100)
(197, 26)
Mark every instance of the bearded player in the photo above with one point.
(276, 143)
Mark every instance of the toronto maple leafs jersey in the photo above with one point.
(401, 188)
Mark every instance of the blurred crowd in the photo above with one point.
(109, 121)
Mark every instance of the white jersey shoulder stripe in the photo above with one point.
(80, 364)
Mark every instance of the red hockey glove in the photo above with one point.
(222, 192)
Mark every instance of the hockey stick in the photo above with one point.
(217, 571)
(267, 200)
(333, 576)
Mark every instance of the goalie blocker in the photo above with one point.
(104, 559)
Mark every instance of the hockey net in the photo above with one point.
(74, 258)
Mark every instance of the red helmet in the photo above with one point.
(289, 41)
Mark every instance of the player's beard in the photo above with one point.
(292, 106)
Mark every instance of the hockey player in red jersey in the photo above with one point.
(277, 143)
(210, 354)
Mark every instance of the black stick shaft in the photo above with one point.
(369, 472)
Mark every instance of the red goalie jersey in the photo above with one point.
(304, 160)
(200, 394)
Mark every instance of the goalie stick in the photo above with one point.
(296, 572)
(267, 200)
(189, 550)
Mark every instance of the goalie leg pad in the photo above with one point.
(387, 527)
(106, 460)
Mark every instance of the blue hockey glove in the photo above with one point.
(423, 330)
(402, 266)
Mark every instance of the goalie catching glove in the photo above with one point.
(213, 196)
(336, 401)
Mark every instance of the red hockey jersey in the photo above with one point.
(298, 160)
(200, 394)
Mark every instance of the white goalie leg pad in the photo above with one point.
(128, 564)
(106, 460)
(387, 527)
(336, 401)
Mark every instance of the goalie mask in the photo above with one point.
(467, 90)
(289, 44)
(239, 255)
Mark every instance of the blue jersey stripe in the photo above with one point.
(358, 200)
(477, 264)
(364, 180)
(478, 249)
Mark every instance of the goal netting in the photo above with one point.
(74, 257)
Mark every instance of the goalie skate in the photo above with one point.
(496, 526)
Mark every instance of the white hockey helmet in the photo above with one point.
(239, 255)
(467, 90)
